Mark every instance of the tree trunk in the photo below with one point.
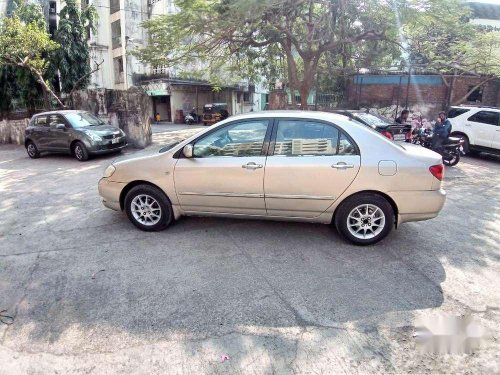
(451, 86)
(46, 87)
(304, 95)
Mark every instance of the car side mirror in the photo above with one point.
(60, 126)
(188, 151)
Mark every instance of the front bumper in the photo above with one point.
(106, 147)
(110, 193)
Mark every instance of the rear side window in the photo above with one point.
(454, 112)
(486, 117)
(307, 138)
(40, 121)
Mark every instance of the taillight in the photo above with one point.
(387, 134)
(437, 171)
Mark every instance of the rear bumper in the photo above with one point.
(418, 205)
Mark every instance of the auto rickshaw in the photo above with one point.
(214, 112)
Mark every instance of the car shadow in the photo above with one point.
(77, 277)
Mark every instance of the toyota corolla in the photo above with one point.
(283, 165)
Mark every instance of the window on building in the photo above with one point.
(116, 34)
(118, 69)
(486, 117)
(476, 95)
(114, 6)
(246, 97)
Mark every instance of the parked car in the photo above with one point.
(479, 127)
(383, 125)
(283, 165)
(78, 133)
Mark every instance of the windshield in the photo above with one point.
(168, 147)
(373, 120)
(83, 119)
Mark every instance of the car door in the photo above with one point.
(496, 137)
(483, 126)
(226, 172)
(310, 165)
(40, 133)
(59, 139)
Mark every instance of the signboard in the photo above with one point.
(157, 89)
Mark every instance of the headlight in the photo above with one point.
(109, 171)
(94, 136)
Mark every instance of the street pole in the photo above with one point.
(408, 88)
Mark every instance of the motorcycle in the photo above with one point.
(449, 150)
(191, 118)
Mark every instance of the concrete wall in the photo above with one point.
(129, 110)
(12, 131)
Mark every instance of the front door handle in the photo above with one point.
(467, 124)
(252, 166)
(342, 166)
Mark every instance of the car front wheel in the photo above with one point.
(80, 152)
(148, 208)
(365, 219)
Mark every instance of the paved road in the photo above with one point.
(90, 294)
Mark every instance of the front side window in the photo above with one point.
(239, 139)
(486, 117)
(454, 112)
(306, 138)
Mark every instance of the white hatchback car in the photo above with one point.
(478, 126)
(282, 165)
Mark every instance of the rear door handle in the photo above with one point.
(342, 166)
(252, 166)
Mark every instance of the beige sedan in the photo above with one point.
(283, 165)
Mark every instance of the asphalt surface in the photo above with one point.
(90, 294)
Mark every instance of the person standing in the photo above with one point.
(403, 117)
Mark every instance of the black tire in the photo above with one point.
(163, 203)
(80, 152)
(32, 150)
(371, 200)
(454, 161)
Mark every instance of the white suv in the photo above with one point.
(478, 126)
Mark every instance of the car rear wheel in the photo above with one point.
(365, 219)
(80, 151)
(148, 208)
(32, 150)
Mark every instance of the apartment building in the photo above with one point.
(119, 31)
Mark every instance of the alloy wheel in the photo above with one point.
(366, 221)
(78, 152)
(31, 150)
(145, 209)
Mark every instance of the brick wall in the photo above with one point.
(431, 97)
(12, 131)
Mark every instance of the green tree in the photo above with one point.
(25, 45)
(228, 33)
(441, 39)
(72, 59)
(16, 82)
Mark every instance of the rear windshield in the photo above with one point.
(454, 112)
(373, 120)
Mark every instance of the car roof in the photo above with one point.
(479, 107)
(59, 112)
(311, 115)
